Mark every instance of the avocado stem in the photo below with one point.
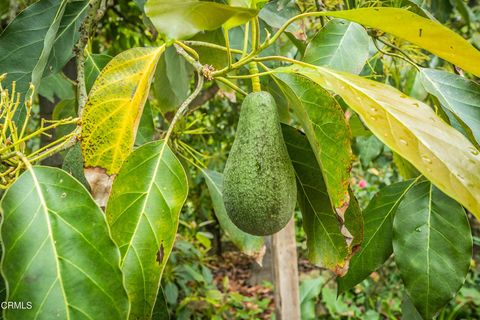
(256, 87)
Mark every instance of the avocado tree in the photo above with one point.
(91, 239)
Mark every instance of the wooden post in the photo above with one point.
(285, 274)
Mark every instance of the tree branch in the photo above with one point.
(184, 107)
(95, 13)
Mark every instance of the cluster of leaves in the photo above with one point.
(379, 296)
(53, 231)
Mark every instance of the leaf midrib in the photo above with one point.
(400, 198)
(146, 200)
(43, 204)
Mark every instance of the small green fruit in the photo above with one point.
(259, 188)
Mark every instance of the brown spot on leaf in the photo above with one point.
(100, 183)
(160, 254)
(341, 270)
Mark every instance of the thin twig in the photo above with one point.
(211, 45)
(284, 59)
(227, 43)
(184, 107)
(406, 59)
(195, 63)
(57, 147)
(249, 76)
(231, 85)
(245, 39)
(190, 51)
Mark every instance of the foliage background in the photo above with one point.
(192, 283)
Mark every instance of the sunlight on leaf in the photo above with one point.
(114, 108)
(410, 128)
(423, 32)
(340, 45)
(180, 19)
(457, 94)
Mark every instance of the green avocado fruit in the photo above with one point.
(259, 187)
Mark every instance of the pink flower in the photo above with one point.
(362, 184)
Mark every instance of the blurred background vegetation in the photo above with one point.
(206, 278)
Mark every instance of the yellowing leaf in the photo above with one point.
(410, 128)
(423, 32)
(180, 19)
(114, 107)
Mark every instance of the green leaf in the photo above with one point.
(432, 243)
(73, 164)
(160, 311)
(172, 80)
(146, 127)
(171, 293)
(441, 9)
(409, 312)
(340, 45)
(276, 13)
(57, 86)
(369, 148)
(35, 43)
(457, 94)
(24, 57)
(465, 11)
(357, 127)
(309, 291)
(377, 242)
(4, 6)
(143, 214)
(405, 168)
(114, 108)
(353, 229)
(67, 35)
(329, 243)
(58, 254)
(213, 57)
(412, 129)
(327, 131)
(247, 3)
(413, 86)
(417, 30)
(416, 6)
(140, 3)
(270, 84)
(179, 19)
(94, 63)
(63, 110)
(248, 244)
(335, 305)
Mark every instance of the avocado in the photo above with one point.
(259, 187)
